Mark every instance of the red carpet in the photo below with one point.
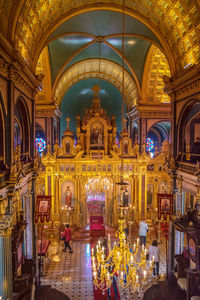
(97, 292)
(97, 228)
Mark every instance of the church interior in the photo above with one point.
(99, 141)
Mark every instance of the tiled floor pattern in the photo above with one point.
(72, 274)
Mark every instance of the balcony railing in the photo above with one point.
(188, 167)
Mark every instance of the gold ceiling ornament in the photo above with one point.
(156, 66)
(33, 22)
(128, 266)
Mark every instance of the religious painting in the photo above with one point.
(163, 187)
(67, 147)
(150, 167)
(67, 168)
(109, 168)
(43, 206)
(96, 134)
(84, 168)
(41, 189)
(125, 147)
(150, 189)
(67, 194)
(124, 194)
(62, 168)
(104, 168)
(165, 205)
(89, 168)
(72, 168)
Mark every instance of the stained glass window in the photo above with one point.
(117, 141)
(150, 144)
(40, 144)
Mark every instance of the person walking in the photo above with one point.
(154, 255)
(67, 238)
(143, 229)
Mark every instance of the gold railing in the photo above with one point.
(187, 167)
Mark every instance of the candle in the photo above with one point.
(150, 263)
(102, 256)
(145, 272)
(99, 244)
(137, 241)
(122, 275)
(108, 276)
(153, 257)
(92, 251)
(114, 244)
(131, 259)
(142, 247)
(134, 246)
(109, 237)
(103, 249)
(136, 278)
(145, 251)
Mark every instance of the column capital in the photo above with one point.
(5, 226)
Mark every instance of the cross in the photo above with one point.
(95, 89)
(67, 119)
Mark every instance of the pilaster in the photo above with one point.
(6, 283)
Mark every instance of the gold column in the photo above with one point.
(5, 263)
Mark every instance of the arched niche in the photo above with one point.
(2, 132)
(23, 119)
(187, 130)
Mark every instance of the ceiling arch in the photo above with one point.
(176, 25)
(109, 71)
(156, 66)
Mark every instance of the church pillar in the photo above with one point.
(6, 284)
(171, 235)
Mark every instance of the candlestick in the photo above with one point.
(92, 251)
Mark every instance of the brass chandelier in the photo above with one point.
(129, 266)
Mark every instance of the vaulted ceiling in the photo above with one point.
(73, 41)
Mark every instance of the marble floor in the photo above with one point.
(72, 274)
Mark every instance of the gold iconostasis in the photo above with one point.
(82, 179)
